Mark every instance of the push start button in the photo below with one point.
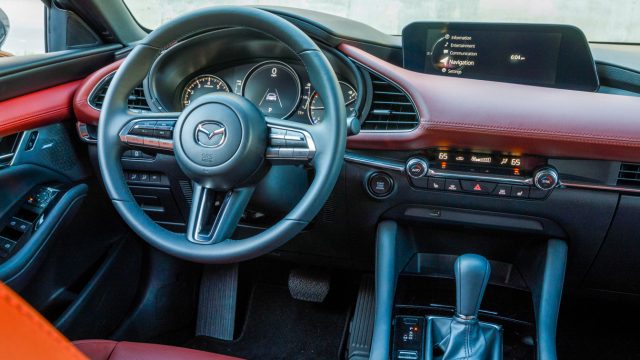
(380, 184)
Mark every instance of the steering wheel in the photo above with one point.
(220, 141)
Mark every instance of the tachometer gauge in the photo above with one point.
(316, 107)
(274, 87)
(202, 85)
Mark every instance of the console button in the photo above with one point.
(417, 167)
(452, 185)
(479, 187)
(380, 184)
(6, 246)
(19, 224)
(436, 184)
(520, 192)
(502, 190)
(154, 177)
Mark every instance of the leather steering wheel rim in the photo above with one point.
(329, 135)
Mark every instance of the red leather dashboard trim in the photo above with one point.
(84, 112)
(36, 109)
(485, 115)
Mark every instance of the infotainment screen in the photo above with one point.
(545, 55)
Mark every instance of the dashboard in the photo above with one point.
(467, 139)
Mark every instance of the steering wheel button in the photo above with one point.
(134, 140)
(273, 151)
(277, 142)
(165, 123)
(286, 152)
(150, 142)
(300, 152)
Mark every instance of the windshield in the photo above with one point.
(601, 20)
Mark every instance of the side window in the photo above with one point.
(22, 27)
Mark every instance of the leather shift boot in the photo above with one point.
(457, 339)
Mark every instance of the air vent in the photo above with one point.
(391, 108)
(629, 175)
(137, 101)
(8, 148)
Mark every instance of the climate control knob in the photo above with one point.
(545, 178)
(417, 167)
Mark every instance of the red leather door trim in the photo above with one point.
(487, 115)
(84, 112)
(36, 109)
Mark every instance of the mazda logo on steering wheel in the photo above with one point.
(210, 134)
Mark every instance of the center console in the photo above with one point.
(436, 305)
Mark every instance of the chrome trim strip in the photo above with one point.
(579, 185)
(466, 176)
(374, 162)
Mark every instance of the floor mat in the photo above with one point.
(279, 327)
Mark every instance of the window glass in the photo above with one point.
(600, 20)
(21, 27)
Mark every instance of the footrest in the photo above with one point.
(309, 285)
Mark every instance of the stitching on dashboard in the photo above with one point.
(570, 136)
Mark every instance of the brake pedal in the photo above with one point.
(309, 285)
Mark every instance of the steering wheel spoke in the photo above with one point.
(211, 223)
(289, 142)
(149, 130)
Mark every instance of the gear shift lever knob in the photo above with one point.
(472, 274)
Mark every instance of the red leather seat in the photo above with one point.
(25, 334)
(114, 350)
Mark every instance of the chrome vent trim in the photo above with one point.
(136, 101)
(391, 108)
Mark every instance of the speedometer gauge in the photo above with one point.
(316, 107)
(202, 85)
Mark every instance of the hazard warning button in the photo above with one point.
(479, 187)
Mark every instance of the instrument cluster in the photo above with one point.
(279, 89)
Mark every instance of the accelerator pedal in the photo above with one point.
(309, 285)
(361, 327)
(217, 302)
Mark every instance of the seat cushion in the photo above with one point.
(123, 350)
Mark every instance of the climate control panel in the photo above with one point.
(490, 174)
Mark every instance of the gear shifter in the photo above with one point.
(472, 274)
(463, 337)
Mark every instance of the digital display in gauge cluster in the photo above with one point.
(274, 87)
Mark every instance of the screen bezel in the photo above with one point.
(575, 70)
